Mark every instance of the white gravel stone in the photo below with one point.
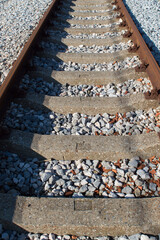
(118, 183)
(129, 195)
(144, 237)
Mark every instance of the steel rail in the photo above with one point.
(145, 54)
(7, 88)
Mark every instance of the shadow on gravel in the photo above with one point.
(9, 202)
(15, 148)
(151, 45)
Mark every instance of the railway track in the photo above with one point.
(83, 126)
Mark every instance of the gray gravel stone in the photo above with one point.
(134, 162)
(5, 236)
(152, 186)
(127, 190)
(137, 192)
(135, 237)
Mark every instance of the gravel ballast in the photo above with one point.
(86, 49)
(68, 16)
(125, 178)
(132, 86)
(13, 235)
(146, 17)
(59, 24)
(129, 123)
(84, 36)
(99, 49)
(88, 11)
(95, 17)
(53, 64)
(18, 20)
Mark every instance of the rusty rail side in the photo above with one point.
(145, 54)
(8, 86)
